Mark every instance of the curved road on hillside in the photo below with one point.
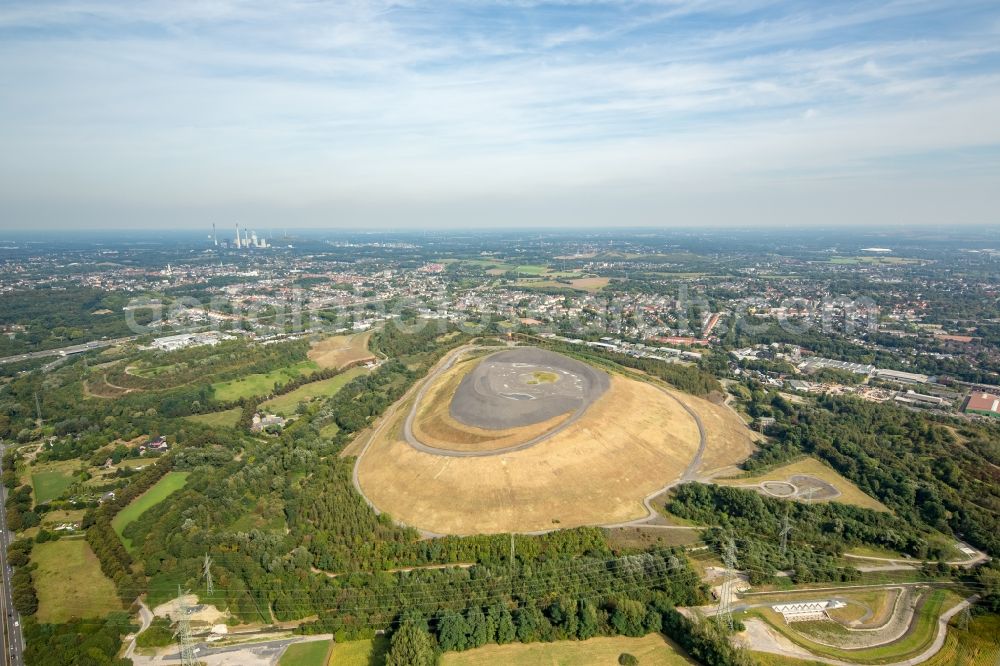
(933, 649)
(689, 474)
(412, 440)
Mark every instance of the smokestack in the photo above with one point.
(237, 235)
(215, 239)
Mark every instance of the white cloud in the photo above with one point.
(170, 104)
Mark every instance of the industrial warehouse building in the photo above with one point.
(985, 404)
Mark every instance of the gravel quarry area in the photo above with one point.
(524, 386)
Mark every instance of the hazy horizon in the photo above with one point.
(464, 115)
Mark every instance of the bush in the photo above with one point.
(626, 659)
(157, 635)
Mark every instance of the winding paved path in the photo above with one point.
(933, 648)
(146, 619)
(412, 440)
(418, 390)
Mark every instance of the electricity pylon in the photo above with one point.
(725, 614)
(786, 528)
(184, 631)
(207, 574)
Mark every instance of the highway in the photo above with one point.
(64, 351)
(11, 641)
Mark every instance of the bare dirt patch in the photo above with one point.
(340, 350)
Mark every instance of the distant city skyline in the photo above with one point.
(468, 115)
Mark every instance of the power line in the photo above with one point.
(725, 614)
(184, 631)
(207, 575)
(786, 528)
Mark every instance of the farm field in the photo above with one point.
(589, 284)
(286, 404)
(50, 482)
(849, 493)
(339, 350)
(596, 471)
(360, 653)
(224, 419)
(69, 582)
(651, 650)
(312, 653)
(171, 482)
(261, 383)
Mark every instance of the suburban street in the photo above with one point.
(11, 641)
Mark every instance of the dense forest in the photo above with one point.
(291, 538)
(821, 532)
(925, 472)
(62, 316)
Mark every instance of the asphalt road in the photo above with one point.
(412, 440)
(420, 388)
(62, 351)
(11, 641)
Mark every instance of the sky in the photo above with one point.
(474, 114)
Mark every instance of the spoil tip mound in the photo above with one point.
(525, 386)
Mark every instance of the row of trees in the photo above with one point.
(20, 513)
(418, 642)
(688, 378)
(116, 563)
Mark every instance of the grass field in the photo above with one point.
(261, 383)
(171, 482)
(50, 484)
(649, 537)
(879, 602)
(360, 653)
(594, 472)
(975, 645)
(651, 650)
(338, 350)
(69, 582)
(313, 653)
(286, 404)
(223, 419)
(849, 493)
